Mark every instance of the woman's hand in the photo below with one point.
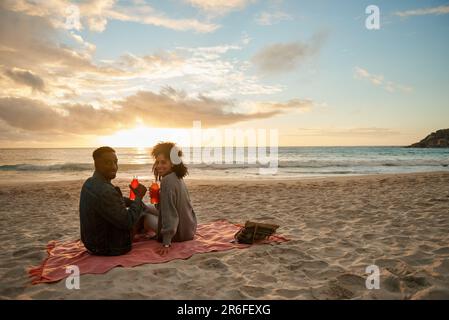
(163, 250)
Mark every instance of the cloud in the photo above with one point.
(270, 18)
(87, 45)
(211, 71)
(374, 79)
(169, 108)
(26, 77)
(145, 15)
(74, 95)
(71, 75)
(212, 52)
(285, 57)
(426, 11)
(33, 115)
(30, 42)
(379, 80)
(172, 108)
(18, 138)
(95, 15)
(219, 7)
(302, 105)
(347, 132)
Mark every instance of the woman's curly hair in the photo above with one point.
(165, 148)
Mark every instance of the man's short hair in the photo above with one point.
(100, 151)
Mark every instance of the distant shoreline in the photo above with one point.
(351, 146)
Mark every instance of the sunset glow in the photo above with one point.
(143, 137)
(79, 73)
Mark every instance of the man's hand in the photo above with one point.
(162, 251)
(128, 201)
(139, 191)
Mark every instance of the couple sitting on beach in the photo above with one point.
(109, 221)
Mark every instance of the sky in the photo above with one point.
(132, 73)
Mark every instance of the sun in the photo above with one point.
(144, 137)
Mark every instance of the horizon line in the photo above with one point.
(295, 146)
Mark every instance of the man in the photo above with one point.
(106, 222)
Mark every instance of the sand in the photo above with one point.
(337, 226)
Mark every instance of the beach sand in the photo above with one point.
(337, 226)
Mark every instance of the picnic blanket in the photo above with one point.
(214, 236)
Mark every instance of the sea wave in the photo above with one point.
(364, 163)
(51, 167)
(308, 165)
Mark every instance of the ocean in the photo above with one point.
(292, 162)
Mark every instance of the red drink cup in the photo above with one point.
(134, 184)
(154, 193)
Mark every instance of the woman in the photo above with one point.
(176, 220)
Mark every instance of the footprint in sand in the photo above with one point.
(443, 250)
(369, 236)
(265, 278)
(351, 281)
(441, 267)
(414, 282)
(213, 264)
(233, 294)
(419, 258)
(289, 294)
(391, 283)
(314, 266)
(253, 291)
(165, 272)
(332, 291)
(432, 293)
(399, 268)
